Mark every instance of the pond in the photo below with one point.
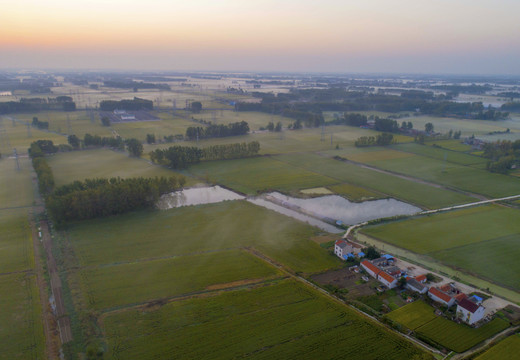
(197, 196)
(334, 207)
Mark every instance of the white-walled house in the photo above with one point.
(441, 297)
(414, 285)
(370, 268)
(342, 248)
(470, 312)
(387, 280)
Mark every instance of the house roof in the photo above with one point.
(387, 277)
(370, 266)
(341, 243)
(446, 287)
(415, 284)
(468, 305)
(443, 296)
(387, 256)
(420, 278)
(461, 296)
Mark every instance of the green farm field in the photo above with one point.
(402, 189)
(136, 282)
(168, 125)
(16, 188)
(15, 241)
(101, 163)
(481, 240)
(413, 315)
(451, 156)
(458, 337)
(196, 229)
(280, 321)
(355, 193)
(507, 349)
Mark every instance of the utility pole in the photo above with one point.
(16, 159)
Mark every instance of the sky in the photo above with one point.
(363, 36)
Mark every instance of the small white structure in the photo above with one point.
(414, 285)
(470, 312)
(342, 248)
(441, 297)
(387, 280)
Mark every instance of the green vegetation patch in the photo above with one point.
(413, 315)
(410, 191)
(15, 241)
(280, 321)
(101, 163)
(21, 330)
(259, 174)
(381, 155)
(16, 188)
(355, 193)
(458, 337)
(441, 154)
(193, 229)
(112, 286)
(507, 349)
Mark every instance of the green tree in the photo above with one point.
(278, 127)
(428, 127)
(134, 147)
(150, 138)
(371, 253)
(196, 107)
(73, 140)
(105, 121)
(270, 126)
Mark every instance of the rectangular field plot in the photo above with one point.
(380, 155)
(88, 164)
(195, 229)
(458, 337)
(259, 174)
(495, 260)
(441, 154)
(16, 252)
(16, 188)
(507, 349)
(280, 321)
(21, 331)
(413, 315)
(448, 230)
(402, 189)
(112, 286)
(355, 193)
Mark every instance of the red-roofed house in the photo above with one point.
(460, 296)
(370, 268)
(421, 278)
(441, 297)
(470, 312)
(387, 280)
(341, 248)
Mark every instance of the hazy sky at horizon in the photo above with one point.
(417, 36)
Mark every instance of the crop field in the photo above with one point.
(413, 315)
(15, 241)
(196, 229)
(440, 154)
(80, 165)
(123, 284)
(21, 330)
(406, 190)
(16, 189)
(453, 175)
(259, 174)
(467, 126)
(507, 349)
(284, 320)
(457, 337)
(168, 125)
(482, 240)
(380, 155)
(453, 144)
(17, 136)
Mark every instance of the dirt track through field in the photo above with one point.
(56, 288)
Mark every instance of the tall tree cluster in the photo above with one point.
(213, 131)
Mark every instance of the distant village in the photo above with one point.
(384, 269)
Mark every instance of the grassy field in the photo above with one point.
(481, 240)
(451, 156)
(194, 229)
(80, 165)
(355, 193)
(112, 286)
(507, 349)
(168, 125)
(21, 329)
(413, 192)
(259, 174)
(413, 315)
(280, 321)
(256, 120)
(457, 337)
(16, 188)
(15, 241)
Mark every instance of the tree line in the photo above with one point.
(96, 198)
(180, 157)
(27, 105)
(135, 104)
(214, 131)
(383, 139)
(502, 155)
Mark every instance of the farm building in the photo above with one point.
(421, 278)
(342, 249)
(387, 280)
(414, 285)
(441, 297)
(370, 268)
(470, 312)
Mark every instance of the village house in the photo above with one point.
(370, 268)
(343, 249)
(421, 278)
(441, 297)
(414, 285)
(387, 280)
(469, 312)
